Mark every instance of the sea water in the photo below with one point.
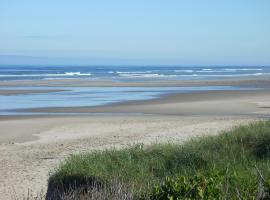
(129, 73)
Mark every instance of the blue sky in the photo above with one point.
(184, 32)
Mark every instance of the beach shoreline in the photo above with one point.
(247, 102)
(244, 88)
(32, 146)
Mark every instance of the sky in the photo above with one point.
(182, 32)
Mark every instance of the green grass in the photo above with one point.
(234, 156)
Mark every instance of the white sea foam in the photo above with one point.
(259, 74)
(138, 75)
(77, 74)
(186, 70)
(227, 70)
(188, 75)
(243, 69)
(211, 71)
(235, 75)
(46, 75)
(134, 72)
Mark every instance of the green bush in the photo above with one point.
(204, 188)
(197, 187)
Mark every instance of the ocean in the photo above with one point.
(129, 73)
(97, 96)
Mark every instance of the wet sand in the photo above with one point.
(15, 92)
(215, 103)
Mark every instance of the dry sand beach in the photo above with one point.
(32, 146)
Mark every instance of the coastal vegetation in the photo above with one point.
(233, 165)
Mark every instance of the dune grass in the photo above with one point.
(239, 158)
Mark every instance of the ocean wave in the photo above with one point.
(77, 74)
(234, 75)
(134, 72)
(147, 75)
(243, 69)
(188, 75)
(57, 78)
(184, 70)
(211, 71)
(228, 69)
(46, 75)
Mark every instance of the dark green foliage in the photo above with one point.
(201, 187)
(197, 187)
